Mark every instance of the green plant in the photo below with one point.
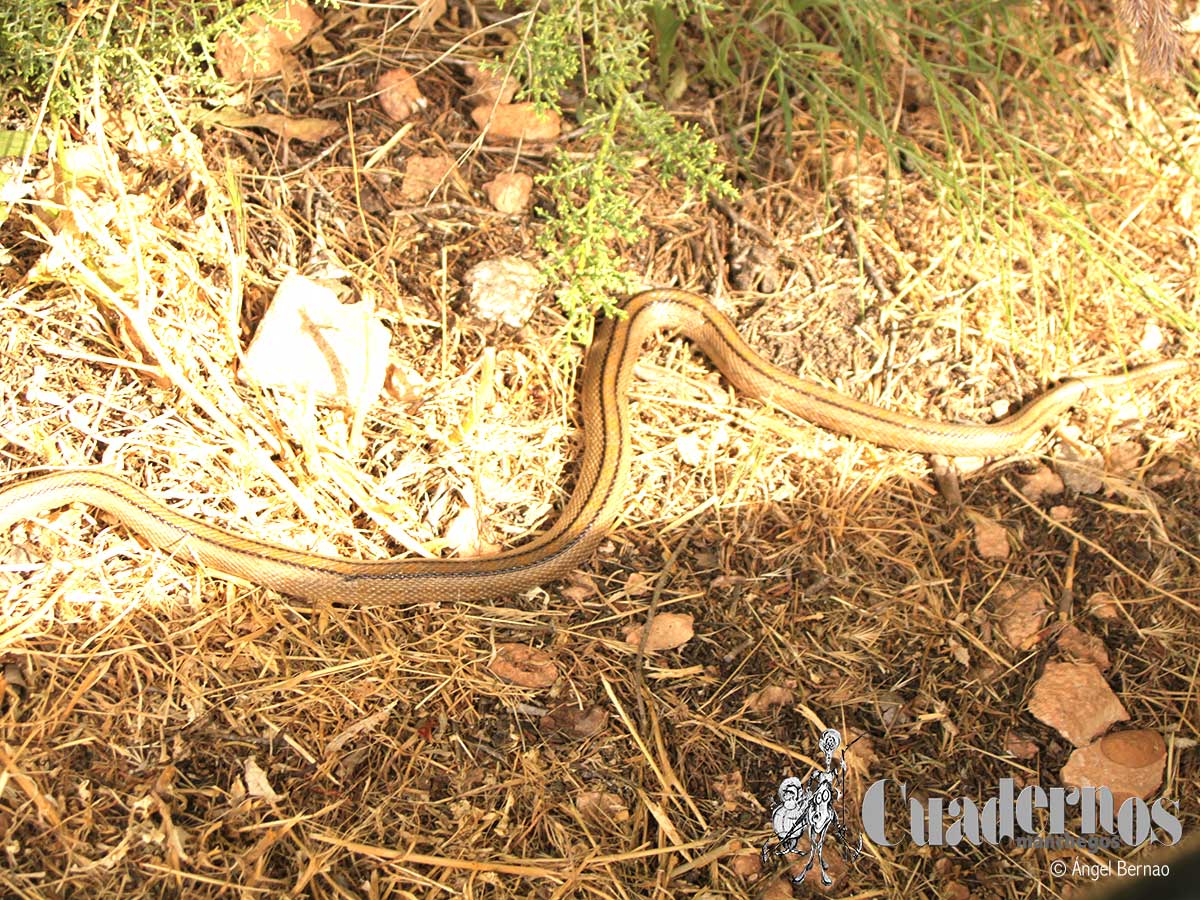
(971, 70)
(977, 99)
(47, 47)
(606, 46)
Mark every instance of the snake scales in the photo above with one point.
(603, 474)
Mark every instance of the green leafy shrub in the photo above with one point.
(604, 49)
(44, 48)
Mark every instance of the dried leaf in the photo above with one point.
(16, 143)
(306, 129)
(667, 631)
(762, 701)
(83, 167)
(861, 756)
(577, 593)
(428, 12)
(360, 726)
(731, 788)
(257, 783)
(602, 808)
(573, 723)
(638, 584)
(959, 652)
(525, 666)
(581, 588)
(891, 709)
(1104, 605)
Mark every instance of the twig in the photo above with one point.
(864, 258)
(742, 222)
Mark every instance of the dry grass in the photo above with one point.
(141, 696)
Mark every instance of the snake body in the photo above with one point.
(603, 475)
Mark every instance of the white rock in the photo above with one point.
(311, 344)
(504, 288)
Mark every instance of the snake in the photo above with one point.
(603, 470)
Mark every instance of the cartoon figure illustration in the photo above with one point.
(810, 807)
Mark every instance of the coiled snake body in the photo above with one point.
(603, 473)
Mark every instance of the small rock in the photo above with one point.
(509, 192)
(489, 87)
(1152, 337)
(1166, 471)
(690, 448)
(1081, 468)
(991, 540)
(572, 723)
(423, 175)
(518, 122)
(1022, 608)
(1062, 513)
(1083, 647)
(747, 863)
(257, 51)
(398, 93)
(462, 534)
(778, 889)
(1019, 747)
(309, 344)
(1041, 483)
(1123, 458)
(504, 288)
(1074, 699)
(1128, 763)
